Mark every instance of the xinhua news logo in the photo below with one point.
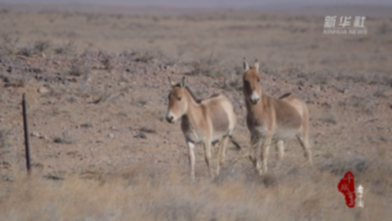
(347, 187)
(345, 25)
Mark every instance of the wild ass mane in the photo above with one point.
(190, 92)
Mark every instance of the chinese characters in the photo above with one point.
(346, 186)
(345, 25)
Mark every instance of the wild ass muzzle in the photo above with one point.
(202, 122)
(272, 121)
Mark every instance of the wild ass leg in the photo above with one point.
(207, 152)
(280, 150)
(261, 165)
(191, 147)
(303, 140)
(222, 153)
(216, 148)
(255, 146)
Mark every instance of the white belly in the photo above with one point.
(260, 131)
(284, 135)
(217, 137)
(278, 134)
(193, 136)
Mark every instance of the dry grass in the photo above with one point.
(80, 67)
(146, 193)
(65, 138)
(4, 144)
(65, 49)
(8, 45)
(329, 117)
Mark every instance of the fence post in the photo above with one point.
(26, 134)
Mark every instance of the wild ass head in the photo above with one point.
(251, 79)
(178, 102)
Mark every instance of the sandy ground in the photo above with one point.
(96, 87)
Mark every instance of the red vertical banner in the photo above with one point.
(346, 186)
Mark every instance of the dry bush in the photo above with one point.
(64, 138)
(208, 66)
(107, 61)
(79, 67)
(144, 56)
(148, 129)
(26, 51)
(65, 49)
(319, 77)
(380, 94)
(366, 78)
(9, 46)
(141, 101)
(385, 28)
(13, 80)
(234, 81)
(329, 117)
(4, 145)
(365, 105)
(38, 48)
(42, 45)
(361, 104)
(297, 74)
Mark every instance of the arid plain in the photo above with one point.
(96, 86)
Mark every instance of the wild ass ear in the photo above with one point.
(246, 66)
(171, 82)
(182, 84)
(256, 65)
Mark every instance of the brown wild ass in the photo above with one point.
(202, 121)
(272, 120)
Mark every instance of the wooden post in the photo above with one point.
(26, 133)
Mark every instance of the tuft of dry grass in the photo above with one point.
(27, 51)
(79, 67)
(4, 144)
(107, 62)
(42, 45)
(144, 56)
(380, 94)
(65, 138)
(361, 104)
(65, 49)
(329, 117)
(208, 66)
(9, 45)
(13, 81)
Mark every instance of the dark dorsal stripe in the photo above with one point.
(214, 95)
(285, 95)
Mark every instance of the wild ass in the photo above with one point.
(202, 121)
(272, 120)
